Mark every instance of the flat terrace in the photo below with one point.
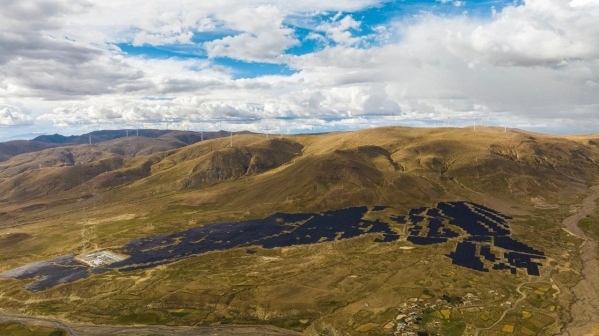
(101, 258)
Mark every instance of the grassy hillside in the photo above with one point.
(12, 148)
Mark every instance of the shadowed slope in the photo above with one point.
(12, 148)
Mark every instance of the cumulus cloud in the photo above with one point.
(12, 115)
(264, 36)
(339, 30)
(38, 61)
(539, 33)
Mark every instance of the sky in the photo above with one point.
(72, 66)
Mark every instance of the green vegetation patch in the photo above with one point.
(15, 329)
(435, 322)
(180, 312)
(141, 318)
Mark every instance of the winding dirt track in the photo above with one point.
(585, 311)
(79, 329)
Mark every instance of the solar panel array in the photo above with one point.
(278, 230)
(482, 234)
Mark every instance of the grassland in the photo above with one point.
(14, 329)
(590, 226)
(353, 286)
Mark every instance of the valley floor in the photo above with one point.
(585, 311)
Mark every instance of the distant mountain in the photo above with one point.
(188, 137)
(12, 148)
(26, 136)
(164, 140)
(99, 136)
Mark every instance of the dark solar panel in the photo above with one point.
(483, 226)
(277, 230)
(465, 255)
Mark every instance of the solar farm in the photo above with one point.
(484, 237)
(475, 241)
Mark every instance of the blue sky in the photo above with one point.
(304, 66)
(306, 24)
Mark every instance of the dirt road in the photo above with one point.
(585, 311)
(80, 329)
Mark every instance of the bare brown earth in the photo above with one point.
(79, 329)
(585, 310)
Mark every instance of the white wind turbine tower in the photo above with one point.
(231, 139)
(266, 129)
(90, 139)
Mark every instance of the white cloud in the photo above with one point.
(263, 37)
(336, 103)
(535, 64)
(38, 61)
(161, 39)
(12, 115)
(338, 30)
(539, 33)
(170, 27)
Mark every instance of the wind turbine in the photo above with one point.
(266, 129)
(231, 139)
(90, 139)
